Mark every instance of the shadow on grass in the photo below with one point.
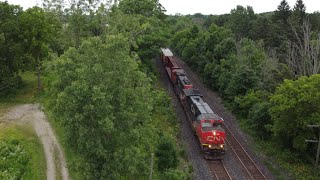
(27, 92)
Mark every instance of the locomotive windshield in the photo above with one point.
(209, 126)
(208, 117)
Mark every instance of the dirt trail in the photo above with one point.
(32, 114)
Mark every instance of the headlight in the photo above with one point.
(221, 145)
(209, 146)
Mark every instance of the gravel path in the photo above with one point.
(32, 114)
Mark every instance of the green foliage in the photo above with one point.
(145, 34)
(37, 33)
(14, 159)
(106, 108)
(146, 8)
(172, 174)
(299, 11)
(241, 21)
(295, 104)
(283, 12)
(166, 154)
(21, 154)
(10, 47)
(253, 109)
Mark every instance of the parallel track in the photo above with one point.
(219, 170)
(251, 169)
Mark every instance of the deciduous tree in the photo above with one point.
(295, 104)
(37, 33)
(104, 102)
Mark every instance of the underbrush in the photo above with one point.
(289, 162)
(281, 162)
(21, 153)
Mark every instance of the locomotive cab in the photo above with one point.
(210, 133)
(208, 126)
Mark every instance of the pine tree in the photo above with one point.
(299, 10)
(283, 12)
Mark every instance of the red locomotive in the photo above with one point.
(205, 123)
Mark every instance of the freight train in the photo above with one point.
(206, 125)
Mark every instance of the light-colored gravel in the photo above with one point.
(32, 114)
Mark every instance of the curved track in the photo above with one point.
(250, 168)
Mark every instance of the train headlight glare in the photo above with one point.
(221, 145)
(209, 146)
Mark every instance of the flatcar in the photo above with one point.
(206, 125)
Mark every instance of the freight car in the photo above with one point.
(206, 125)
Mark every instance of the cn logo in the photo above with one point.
(214, 138)
(193, 110)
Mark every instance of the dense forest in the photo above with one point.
(94, 69)
(265, 66)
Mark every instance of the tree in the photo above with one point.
(166, 154)
(145, 34)
(304, 54)
(296, 21)
(282, 13)
(146, 8)
(10, 46)
(105, 103)
(37, 33)
(253, 108)
(241, 20)
(299, 11)
(294, 105)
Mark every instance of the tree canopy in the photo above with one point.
(296, 104)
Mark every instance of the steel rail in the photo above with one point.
(247, 162)
(219, 170)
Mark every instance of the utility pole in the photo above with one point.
(316, 141)
(151, 167)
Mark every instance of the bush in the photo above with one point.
(295, 104)
(13, 159)
(166, 154)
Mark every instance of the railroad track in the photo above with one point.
(250, 168)
(219, 170)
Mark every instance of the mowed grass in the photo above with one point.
(21, 152)
(22, 155)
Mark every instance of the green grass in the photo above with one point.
(26, 93)
(27, 155)
(26, 160)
